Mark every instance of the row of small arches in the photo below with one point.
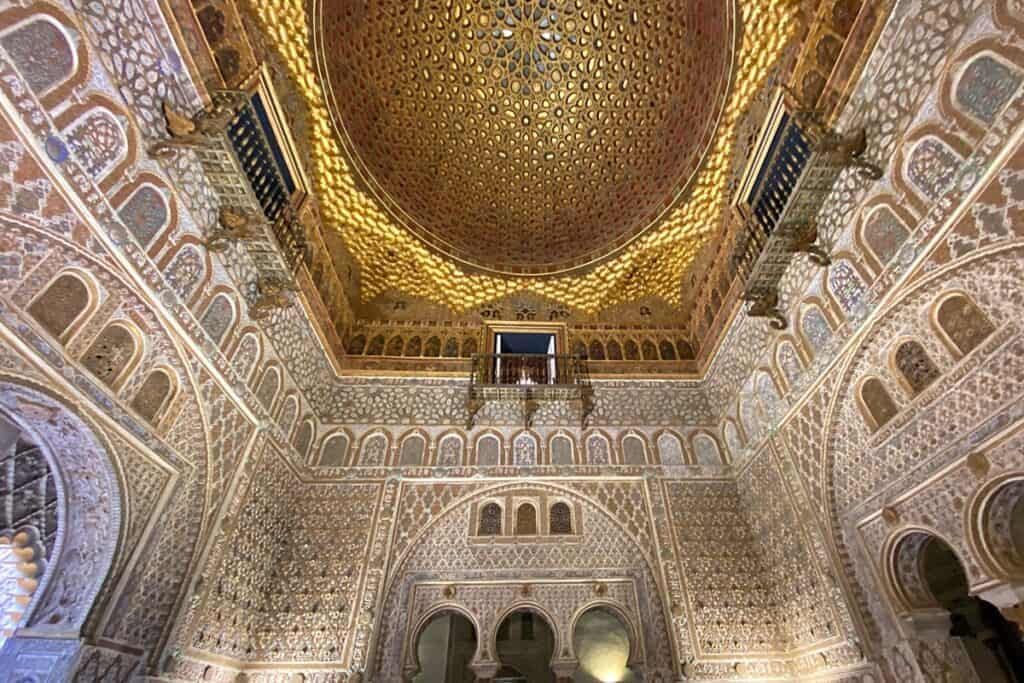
(956, 319)
(491, 520)
(524, 449)
(959, 323)
(66, 306)
(633, 349)
(413, 347)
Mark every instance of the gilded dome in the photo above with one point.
(526, 136)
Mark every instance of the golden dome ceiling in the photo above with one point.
(527, 136)
(393, 259)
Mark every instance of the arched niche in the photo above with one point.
(525, 643)
(488, 450)
(447, 551)
(63, 305)
(334, 452)
(670, 449)
(446, 644)
(412, 450)
(706, 451)
(961, 324)
(634, 450)
(89, 503)
(562, 450)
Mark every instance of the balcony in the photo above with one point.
(794, 168)
(530, 379)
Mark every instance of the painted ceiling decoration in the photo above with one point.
(573, 149)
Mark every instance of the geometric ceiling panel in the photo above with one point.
(527, 136)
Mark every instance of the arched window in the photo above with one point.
(526, 520)
(246, 354)
(218, 317)
(395, 346)
(524, 450)
(561, 450)
(145, 214)
(111, 355)
(597, 450)
(596, 350)
(60, 305)
(267, 390)
(632, 350)
(303, 438)
(414, 347)
(488, 451)
(334, 452)
(963, 323)
(705, 450)
(357, 345)
(490, 520)
(916, 367)
(432, 349)
(376, 347)
(877, 402)
(685, 350)
(152, 396)
(650, 350)
(671, 450)
(449, 451)
(451, 348)
(614, 351)
(633, 451)
(668, 352)
(412, 451)
(560, 521)
(884, 233)
(42, 52)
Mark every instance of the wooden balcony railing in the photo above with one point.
(530, 379)
(780, 216)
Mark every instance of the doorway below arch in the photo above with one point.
(993, 644)
(525, 648)
(445, 648)
(602, 646)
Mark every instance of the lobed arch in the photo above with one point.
(998, 556)
(411, 663)
(407, 573)
(845, 439)
(901, 568)
(636, 655)
(91, 494)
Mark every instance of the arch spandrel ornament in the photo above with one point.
(89, 491)
(855, 463)
(518, 575)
